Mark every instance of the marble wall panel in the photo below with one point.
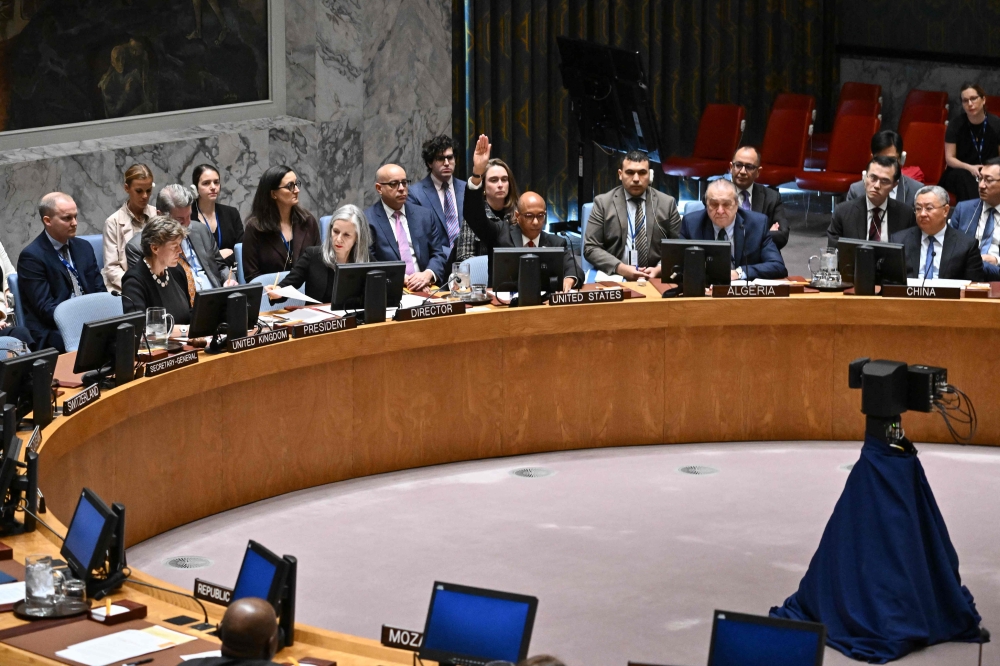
(300, 58)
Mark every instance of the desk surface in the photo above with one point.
(237, 428)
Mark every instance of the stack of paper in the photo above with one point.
(937, 282)
(292, 292)
(123, 645)
(11, 593)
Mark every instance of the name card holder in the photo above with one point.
(585, 297)
(751, 291)
(81, 399)
(899, 291)
(259, 340)
(401, 639)
(326, 326)
(154, 368)
(212, 593)
(429, 311)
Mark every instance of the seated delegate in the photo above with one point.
(126, 222)
(876, 216)
(249, 634)
(347, 243)
(501, 202)
(754, 254)
(157, 281)
(934, 249)
(980, 218)
(278, 229)
(222, 221)
(889, 144)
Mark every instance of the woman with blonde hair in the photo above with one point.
(126, 222)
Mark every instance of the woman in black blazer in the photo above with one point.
(278, 229)
(223, 221)
(157, 281)
(347, 243)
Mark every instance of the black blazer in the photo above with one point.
(230, 225)
(768, 202)
(317, 276)
(140, 291)
(265, 252)
(960, 258)
(850, 219)
(500, 233)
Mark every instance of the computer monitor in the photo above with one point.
(507, 267)
(473, 625)
(89, 536)
(718, 260)
(349, 284)
(890, 260)
(98, 341)
(262, 575)
(18, 378)
(210, 308)
(8, 467)
(752, 640)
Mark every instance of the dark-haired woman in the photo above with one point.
(971, 139)
(501, 200)
(278, 229)
(223, 221)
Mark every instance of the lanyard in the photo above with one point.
(218, 228)
(69, 266)
(632, 256)
(980, 143)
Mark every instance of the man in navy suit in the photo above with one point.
(981, 219)
(754, 254)
(440, 192)
(408, 233)
(53, 268)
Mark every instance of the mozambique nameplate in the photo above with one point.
(81, 399)
(326, 326)
(211, 592)
(429, 311)
(899, 291)
(259, 340)
(402, 639)
(750, 290)
(154, 368)
(584, 297)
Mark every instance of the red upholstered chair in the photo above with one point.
(863, 91)
(794, 101)
(917, 97)
(785, 142)
(924, 143)
(850, 152)
(850, 91)
(719, 133)
(921, 114)
(993, 104)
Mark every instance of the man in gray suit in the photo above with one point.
(627, 224)
(889, 144)
(200, 257)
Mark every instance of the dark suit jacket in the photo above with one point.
(767, 201)
(140, 291)
(265, 252)
(605, 232)
(427, 234)
(45, 283)
(850, 219)
(965, 218)
(906, 190)
(230, 225)
(204, 248)
(960, 258)
(317, 276)
(500, 233)
(424, 193)
(753, 247)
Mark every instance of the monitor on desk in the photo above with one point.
(262, 575)
(88, 539)
(8, 466)
(751, 640)
(98, 341)
(349, 284)
(17, 381)
(507, 267)
(718, 260)
(210, 308)
(890, 260)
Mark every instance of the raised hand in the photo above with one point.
(481, 157)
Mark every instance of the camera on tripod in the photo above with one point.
(889, 388)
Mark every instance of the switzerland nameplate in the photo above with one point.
(81, 399)
(750, 291)
(259, 340)
(429, 311)
(155, 368)
(899, 291)
(326, 326)
(582, 297)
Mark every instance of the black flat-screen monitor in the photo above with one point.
(8, 466)
(473, 625)
(753, 640)
(210, 308)
(262, 575)
(349, 284)
(718, 260)
(507, 266)
(890, 260)
(16, 378)
(98, 341)
(89, 536)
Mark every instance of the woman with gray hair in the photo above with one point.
(157, 281)
(347, 243)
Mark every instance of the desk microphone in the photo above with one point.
(119, 294)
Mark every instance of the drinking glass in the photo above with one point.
(462, 285)
(826, 272)
(74, 596)
(159, 324)
(42, 585)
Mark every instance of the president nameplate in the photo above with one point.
(259, 340)
(325, 326)
(81, 399)
(154, 368)
(899, 291)
(584, 297)
(429, 311)
(751, 291)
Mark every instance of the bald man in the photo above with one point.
(249, 633)
(406, 232)
(530, 216)
(53, 268)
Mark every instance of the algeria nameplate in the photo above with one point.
(750, 291)
(326, 326)
(259, 340)
(81, 399)
(899, 291)
(154, 368)
(429, 311)
(584, 297)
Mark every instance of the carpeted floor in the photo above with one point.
(628, 556)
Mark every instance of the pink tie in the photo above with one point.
(404, 245)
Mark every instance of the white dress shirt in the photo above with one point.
(202, 282)
(938, 251)
(525, 240)
(981, 229)
(406, 227)
(631, 257)
(885, 220)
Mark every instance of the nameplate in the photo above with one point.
(584, 297)
(750, 291)
(259, 340)
(429, 311)
(321, 327)
(155, 368)
(81, 399)
(211, 592)
(35, 440)
(402, 639)
(899, 291)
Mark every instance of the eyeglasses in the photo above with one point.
(875, 180)
(291, 187)
(396, 184)
(989, 180)
(740, 166)
(445, 158)
(970, 100)
(925, 209)
(530, 217)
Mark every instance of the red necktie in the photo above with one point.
(875, 232)
(531, 243)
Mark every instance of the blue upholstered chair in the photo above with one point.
(71, 315)
(16, 292)
(97, 242)
(479, 269)
(238, 253)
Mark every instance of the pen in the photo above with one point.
(141, 661)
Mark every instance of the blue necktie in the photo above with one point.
(987, 240)
(745, 200)
(929, 263)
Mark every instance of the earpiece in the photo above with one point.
(902, 159)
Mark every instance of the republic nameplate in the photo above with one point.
(899, 291)
(583, 297)
(750, 291)
(155, 368)
(321, 327)
(211, 592)
(81, 399)
(259, 340)
(429, 311)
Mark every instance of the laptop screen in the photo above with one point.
(487, 627)
(746, 640)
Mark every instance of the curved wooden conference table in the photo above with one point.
(237, 428)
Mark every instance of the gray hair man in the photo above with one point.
(933, 248)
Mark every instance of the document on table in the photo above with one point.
(604, 277)
(11, 593)
(411, 301)
(308, 315)
(100, 612)
(123, 645)
(201, 655)
(292, 292)
(937, 282)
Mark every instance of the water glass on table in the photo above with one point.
(461, 282)
(159, 324)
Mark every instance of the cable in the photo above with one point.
(44, 524)
(956, 409)
(128, 579)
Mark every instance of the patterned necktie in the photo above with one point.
(641, 240)
(929, 263)
(404, 244)
(450, 215)
(875, 230)
(77, 289)
(745, 200)
(189, 274)
(987, 240)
